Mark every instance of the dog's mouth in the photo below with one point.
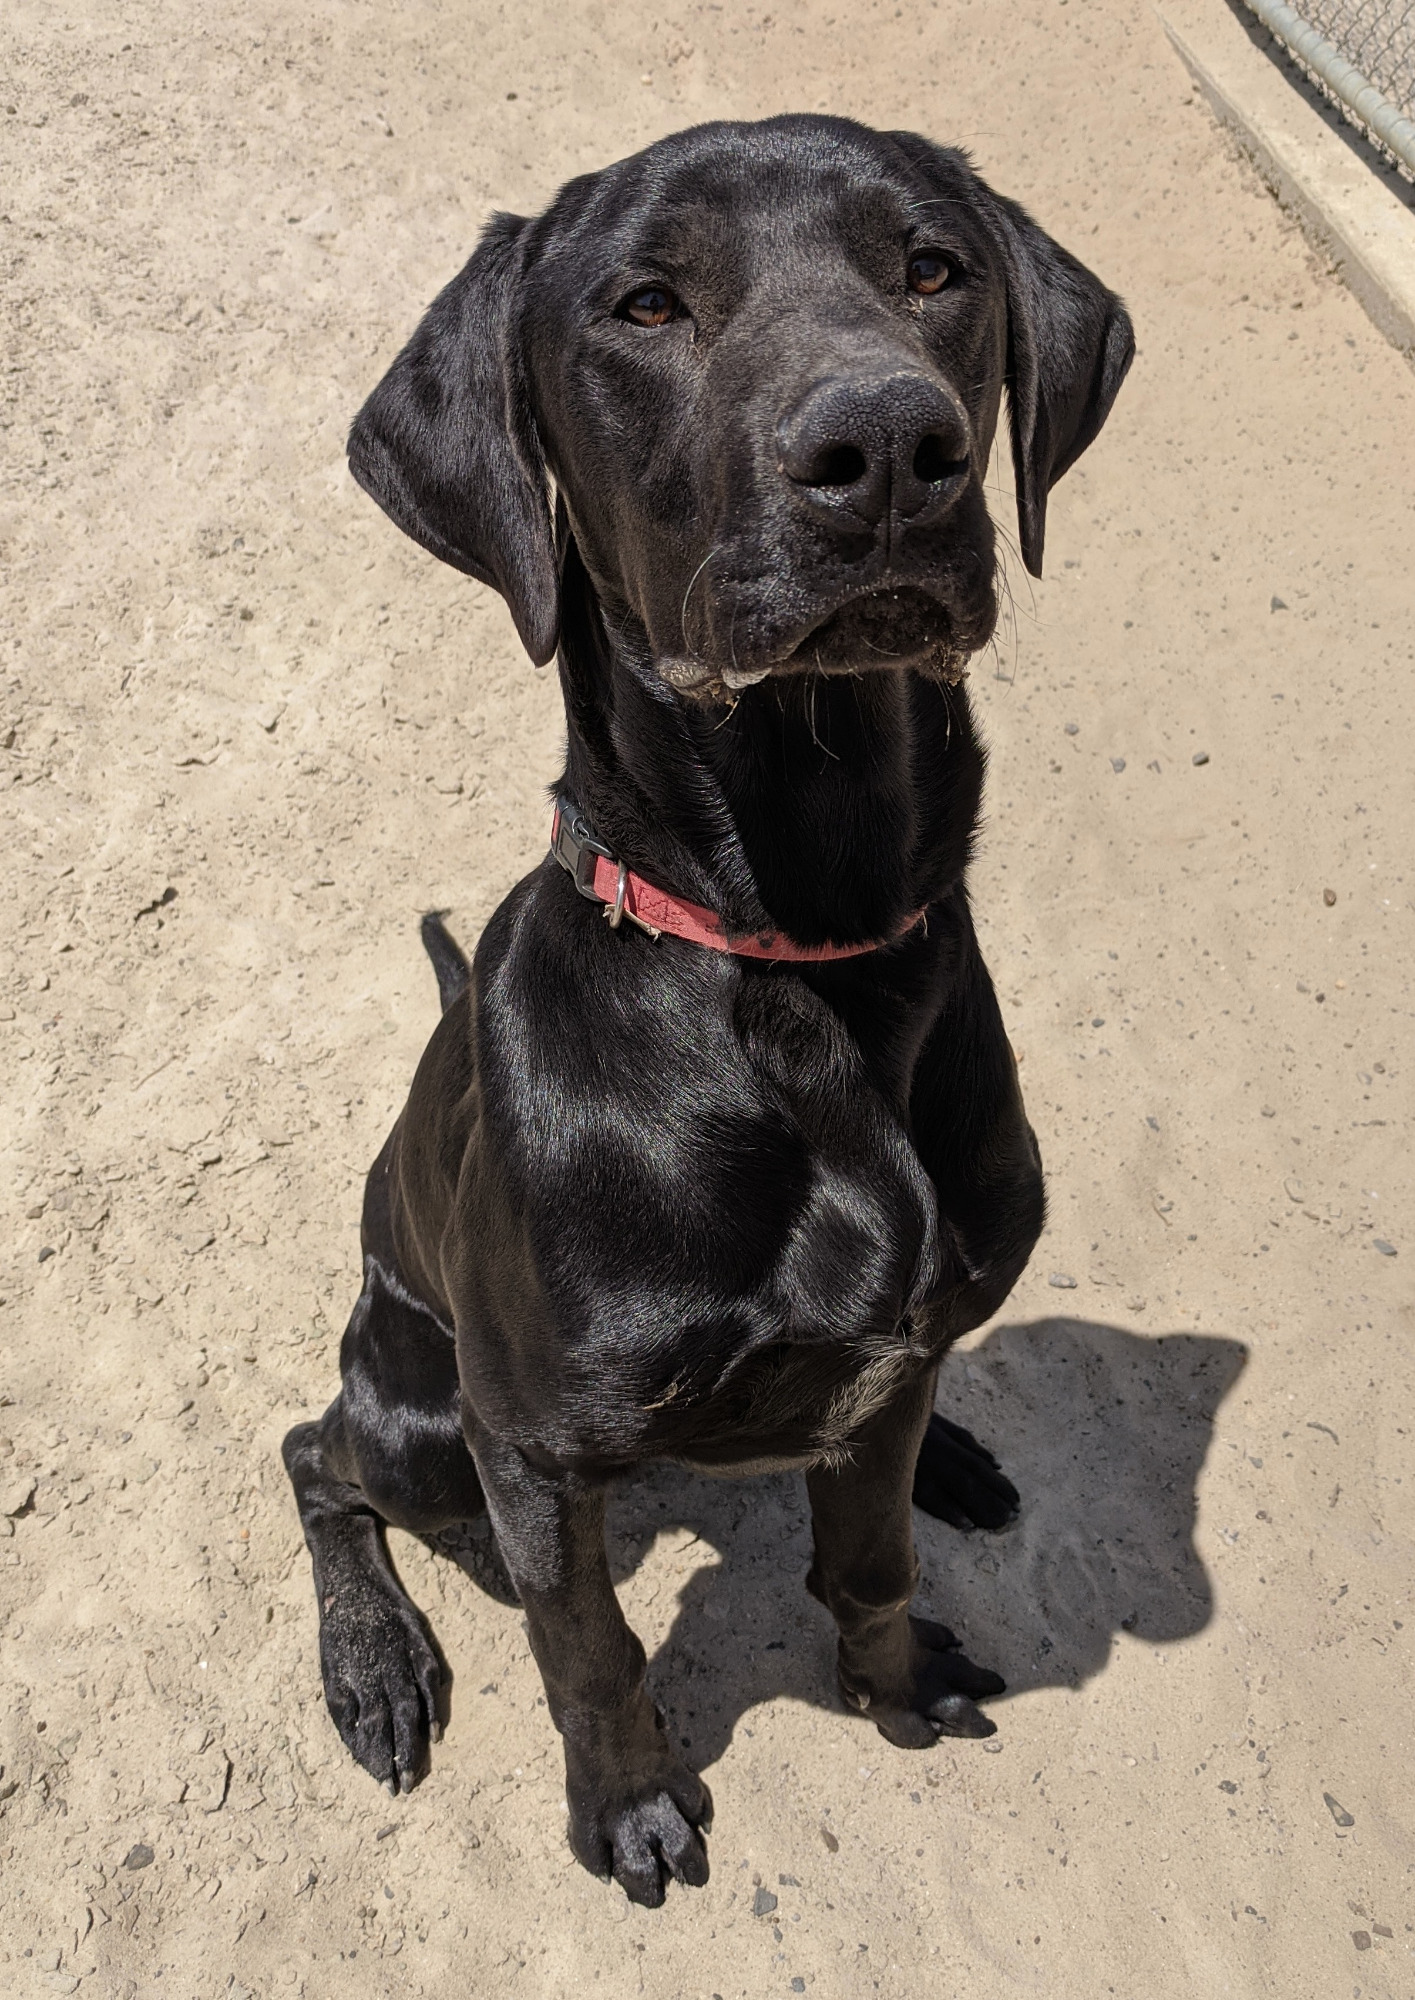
(879, 629)
(883, 628)
(931, 629)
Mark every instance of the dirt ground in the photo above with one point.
(249, 733)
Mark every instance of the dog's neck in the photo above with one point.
(824, 806)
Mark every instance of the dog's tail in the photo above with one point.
(449, 961)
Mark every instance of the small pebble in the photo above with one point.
(1329, 898)
(1117, 763)
(1338, 1812)
(139, 1856)
(1277, 604)
(1062, 1282)
(1386, 1249)
(47, 1252)
(1201, 757)
(763, 1903)
(1097, 1020)
(1073, 729)
(832, 1844)
(1361, 1940)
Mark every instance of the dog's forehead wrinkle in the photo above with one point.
(823, 239)
(832, 164)
(949, 218)
(668, 210)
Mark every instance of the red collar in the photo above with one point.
(601, 878)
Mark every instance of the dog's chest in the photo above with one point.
(794, 1324)
(724, 1226)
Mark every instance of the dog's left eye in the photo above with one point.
(655, 305)
(928, 272)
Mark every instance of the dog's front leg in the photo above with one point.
(636, 1811)
(906, 1673)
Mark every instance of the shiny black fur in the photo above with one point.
(648, 1200)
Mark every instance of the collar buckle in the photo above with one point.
(575, 847)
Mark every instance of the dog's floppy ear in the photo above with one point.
(447, 445)
(1069, 345)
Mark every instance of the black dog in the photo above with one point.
(723, 1196)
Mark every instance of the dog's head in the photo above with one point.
(763, 364)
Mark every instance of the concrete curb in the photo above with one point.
(1344, 207)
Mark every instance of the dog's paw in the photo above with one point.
(941, 1695)
(382, 1681)
(643, 1842)
(644, 1825)
(959, 1481)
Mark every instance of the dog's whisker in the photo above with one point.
(1001, 571)
(824, 748)
(683, 613)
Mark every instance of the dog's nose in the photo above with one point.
(860, 448)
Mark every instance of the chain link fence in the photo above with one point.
(1376, 37)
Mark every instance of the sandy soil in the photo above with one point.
(249, 733)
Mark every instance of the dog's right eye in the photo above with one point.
(929, 273)
(655, 305)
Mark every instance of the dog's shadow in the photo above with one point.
(1105, 1433)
